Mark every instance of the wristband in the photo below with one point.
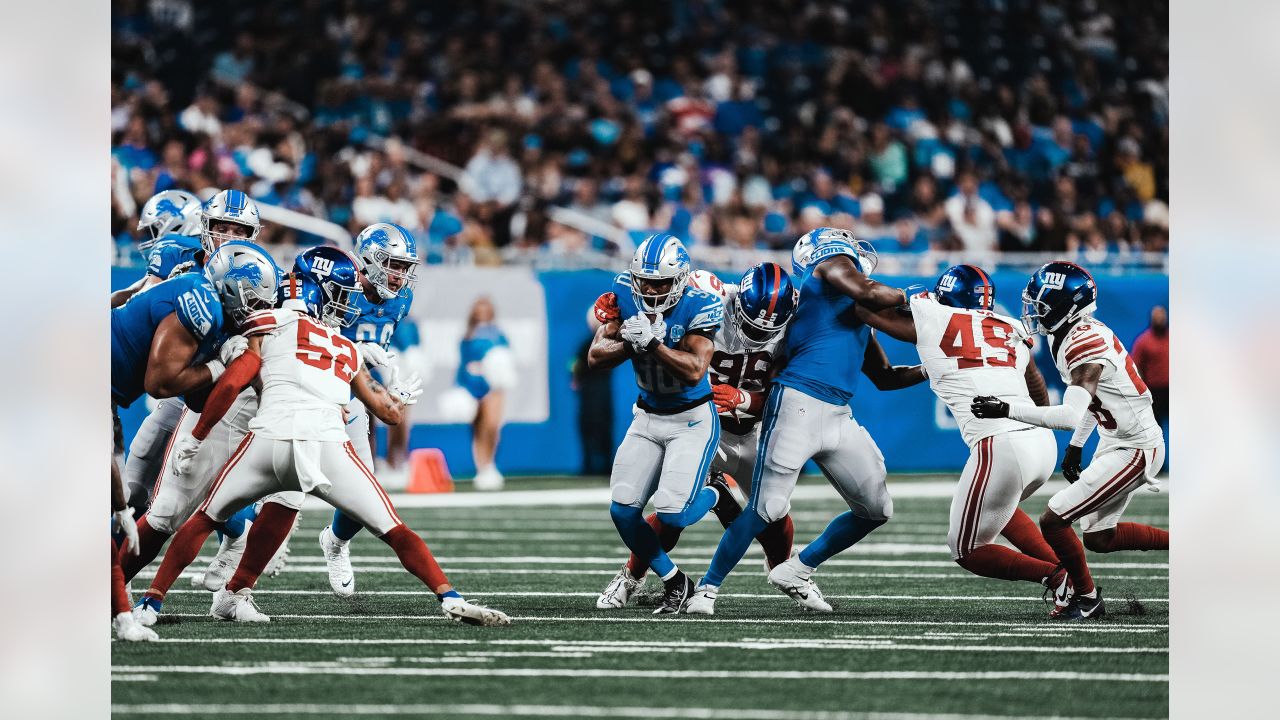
(652, 346)
(216, 368)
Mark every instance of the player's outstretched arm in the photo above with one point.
(896, 322)
(688, 361)
(169, 369)
(1067, 416)
(843, 274)
(875, 365)
(121, 297)
(607, 348)
(1036, 386)
(383, 404)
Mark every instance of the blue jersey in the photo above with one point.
(471, 358)
(133, 325)
(377, 323)
(826, 342)
(171, 251)
(696, 310)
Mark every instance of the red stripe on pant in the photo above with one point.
(1109, 489)
(973, 501)
(226, 468)
(382, 494)
(164, 462)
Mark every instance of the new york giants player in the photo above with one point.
(665, 328)
(747, 354)
(298, 440)
(389, 259)
(968, 349)
(1104, 391)
(807, 417)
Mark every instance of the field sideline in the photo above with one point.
(913, 636)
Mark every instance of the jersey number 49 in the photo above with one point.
(958, 342)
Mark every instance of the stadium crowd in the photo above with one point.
(973, 125)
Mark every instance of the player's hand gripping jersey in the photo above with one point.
(696, 310)
(967, 353)
(1122, 403)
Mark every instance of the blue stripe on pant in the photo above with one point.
(701, 498)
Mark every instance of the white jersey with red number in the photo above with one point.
(306, 374)
(1122, 404)
(968, 353)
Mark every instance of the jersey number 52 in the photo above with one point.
(330, 350)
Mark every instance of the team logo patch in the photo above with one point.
(322, 266)
(947, 283)
(1054, 280)
(675, 332)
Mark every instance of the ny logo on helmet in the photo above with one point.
(1055, 280)
(947, 283)
(322, 266)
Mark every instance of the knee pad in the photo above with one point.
(161, 523)
(291, 499)
(773, 507)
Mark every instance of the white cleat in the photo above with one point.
(702, 601)
(619, 590)
(145, 615)
(281, 558)
(792, 578)
(129, 630)
(459, 610)
(237, 606)
(337, 555)
(224, 563)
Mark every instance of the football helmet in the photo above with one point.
(826, 242)
(388, 252)
(660, 259)
(765, 303)
(168, 211)
(245, 277)
(966, 286)
(1058, 293)
(230, 206)
(327, 281)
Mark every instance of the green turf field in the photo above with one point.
(912, 635)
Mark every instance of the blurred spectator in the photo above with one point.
(1150, 353)
(972, 218)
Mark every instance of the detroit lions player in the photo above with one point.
(807, 417)
(169, 223)
(665, 328)
(388, 256)
(748, 353)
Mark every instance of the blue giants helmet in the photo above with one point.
(966, 286)
(1058, 293)
(660, 259)
(327, 281)
(765, 303)
(245, 277)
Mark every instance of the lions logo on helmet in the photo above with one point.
(966, 286)
(327, 281)
(389, 257)
(764, 304)
(1058, 293)
(245, 277)
(659, 272)
(168, 212)
(228, 207)
(826, 242)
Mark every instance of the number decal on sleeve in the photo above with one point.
(333, 350)
(1106, 420)
(958, 342)
(1130, 367)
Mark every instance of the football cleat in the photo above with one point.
(459, 610)
(237, 606)
(726, 508)
(225, 562)
(129, 630)
(337, 555)
(281, 558)
(1086, 608)
(616, 594)
(146, 612)
(1058, 590)
(675, 594)
(703, 601)
(792, 578)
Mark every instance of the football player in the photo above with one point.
(665, 328)
(169, 224)
(1104, 391)
(746, 355)
(968, 349)
(807, 417)
(298, 440)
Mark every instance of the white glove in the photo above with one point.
(375, 355)
(659, 329)
(406, 390)
(637, 332)
(185, 454)
(233, 348)
(124, 518)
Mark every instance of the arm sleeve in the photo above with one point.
(1067, 416)
(1084, 430)
(237, 377)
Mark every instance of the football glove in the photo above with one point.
(637, 332)
(233, 348)
(659, 329)
(606, 309)
(406, 390)
(184, 454)
(727, 397)
(1071, 463)
(989, 406)
(375, 355)
(124, 519)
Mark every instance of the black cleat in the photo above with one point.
(677, 592)
(726, 508)
(1084, 608)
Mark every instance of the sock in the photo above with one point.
(448, 594)
(668, 536)
(266, 535)
(120, 601)
(1136, 536)
(845, 530)
(1070, 554)
(733, 545)
(776, 539)
(234, 526)
(1025, 535)
(182, 551)
(997, 561)
(415, 556)
(640, 538)
(150, 541)
(344, 527)
(701, 505)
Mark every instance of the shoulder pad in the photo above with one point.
(197, 306)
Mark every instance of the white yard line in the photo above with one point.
(615, 561)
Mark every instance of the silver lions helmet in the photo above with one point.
(389, 257)
(825, 242)
(229, 215)
(659, 273)
(168, 212)
(245, 277)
